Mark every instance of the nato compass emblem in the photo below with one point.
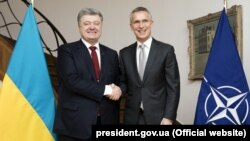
(226, 105)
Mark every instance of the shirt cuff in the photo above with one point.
(108, 90)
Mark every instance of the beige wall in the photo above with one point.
(170, 25)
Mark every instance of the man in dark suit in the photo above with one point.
(149, 75)
(88, 72)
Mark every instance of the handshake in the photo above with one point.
(116, 92)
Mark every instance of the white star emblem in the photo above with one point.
(226, 107)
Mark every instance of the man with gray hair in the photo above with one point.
(149, 75)
(88, 74)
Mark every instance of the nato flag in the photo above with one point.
(224, 93)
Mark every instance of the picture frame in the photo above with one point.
(201, 34)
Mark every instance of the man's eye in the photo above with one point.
(86, 23)
(97, 23)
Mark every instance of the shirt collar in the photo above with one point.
(147, 43)
(89, 45)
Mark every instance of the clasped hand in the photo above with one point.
(116, 92)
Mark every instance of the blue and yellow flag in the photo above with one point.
(27, 104)
(224, 95)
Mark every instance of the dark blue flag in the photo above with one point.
(224, 94)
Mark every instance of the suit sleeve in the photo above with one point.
(70, 78)
(172, 84)
(123, 77)
(117, 70)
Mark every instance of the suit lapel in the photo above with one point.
(84, 53)
(104, 61)
(151, 57)
(134, 62)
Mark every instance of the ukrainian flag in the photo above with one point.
(27, 104)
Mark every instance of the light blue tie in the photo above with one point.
(142, 61)
(142, 64)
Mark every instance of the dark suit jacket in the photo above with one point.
(80, 94)
(160, 88)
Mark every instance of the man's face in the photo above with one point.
(141, 24)
(90, 28)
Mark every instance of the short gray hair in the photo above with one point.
(88, 11)
(138, 9)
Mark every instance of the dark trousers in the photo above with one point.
(68, 138)
(98, 121)
(141, 118)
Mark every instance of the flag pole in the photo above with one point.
(225, 4)
(32, 3)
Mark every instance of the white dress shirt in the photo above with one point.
(108, 89)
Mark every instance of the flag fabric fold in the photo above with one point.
(27, 104)
(224, 93)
